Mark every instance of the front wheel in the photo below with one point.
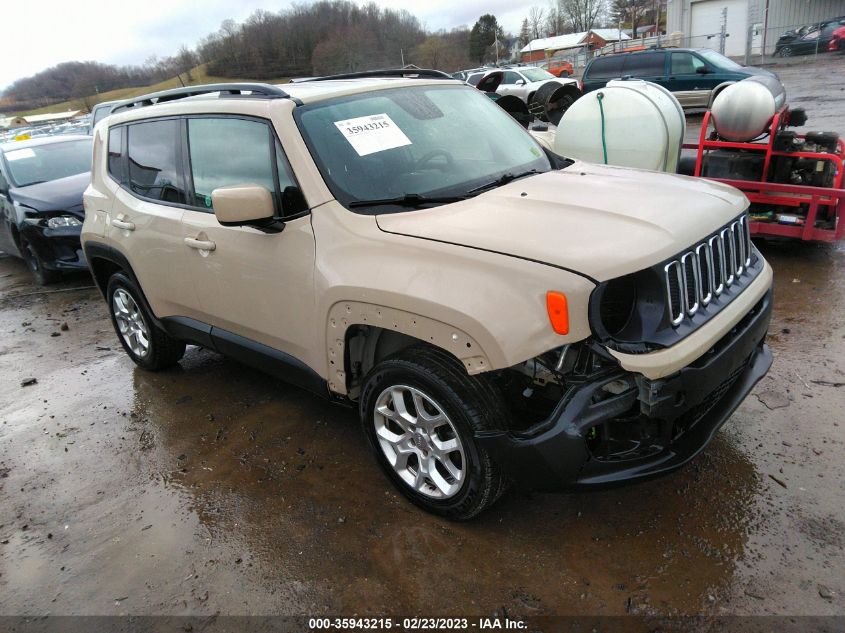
(420, 411)
(43, 276)
(786, 51)
(145, 343)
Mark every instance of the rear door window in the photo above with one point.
(606, 68)
(154, 160)
(644, 65)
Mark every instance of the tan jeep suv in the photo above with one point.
(496, 312)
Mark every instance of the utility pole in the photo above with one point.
(723, 31)
(765, 31)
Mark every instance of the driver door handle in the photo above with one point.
(122, 224)
(200, 245)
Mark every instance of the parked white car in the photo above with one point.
(523, 82)
(546, 96)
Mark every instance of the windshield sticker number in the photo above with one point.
(18, 154)
(371, 134)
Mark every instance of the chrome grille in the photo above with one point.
(704, 272)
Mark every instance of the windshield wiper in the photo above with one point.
(502, 180)
(408, 200)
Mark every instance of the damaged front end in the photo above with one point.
(580, 420)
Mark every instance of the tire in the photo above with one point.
(146, 344)
(537, 105)
(43, 276)
(786, 51)
(426, 377)
(544, 96)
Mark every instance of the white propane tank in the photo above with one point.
(742, 111)
(630, 123)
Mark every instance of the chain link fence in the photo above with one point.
(788, 34)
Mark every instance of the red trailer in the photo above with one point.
(793, 181)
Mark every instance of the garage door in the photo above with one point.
(706, 19)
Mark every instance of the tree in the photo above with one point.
(431, 53)
(581, 15)
(186, 59)
(483, 35)
(631, 12)
(525, 33)
(536, 17)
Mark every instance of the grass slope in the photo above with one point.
(199, 75)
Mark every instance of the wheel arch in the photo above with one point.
(104, 261)
(359, 335)
(715, 92)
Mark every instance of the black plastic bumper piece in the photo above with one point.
(58, 249)
(683, 411)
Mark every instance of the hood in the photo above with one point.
(597, 220)
(563, 81)
(753, 70)
(64, 194)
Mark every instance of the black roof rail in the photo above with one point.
(256, 90)
(406, 73)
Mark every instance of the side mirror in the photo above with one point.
(4, 185)
(702, 70)
(520, 82)
(242, 205)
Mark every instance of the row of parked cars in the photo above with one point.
(495, 312)
(809, 39)
(43, 174)
(695, 76)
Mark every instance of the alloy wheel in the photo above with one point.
(130, 323)
(420, 442)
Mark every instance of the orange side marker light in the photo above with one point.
(558, 311)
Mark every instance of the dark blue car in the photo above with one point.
(41, 186)
(694, 75)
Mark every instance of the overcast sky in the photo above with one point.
(38, 36)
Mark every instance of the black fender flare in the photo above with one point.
(95, 251)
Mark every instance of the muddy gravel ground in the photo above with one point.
(214, 489)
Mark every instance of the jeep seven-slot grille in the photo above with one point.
(705, 271)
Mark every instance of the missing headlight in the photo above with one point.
(617, 304)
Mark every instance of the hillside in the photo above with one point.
(199, 75)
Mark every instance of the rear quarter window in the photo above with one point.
(605, 68)
(116, 162)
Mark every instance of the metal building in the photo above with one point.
(701, 21)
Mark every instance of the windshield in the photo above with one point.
(31, 165)
(536, 74)
(430, 141)
(718, 60)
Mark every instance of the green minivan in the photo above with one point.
(694, 75)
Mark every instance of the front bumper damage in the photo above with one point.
(59, 248)
(652, 427)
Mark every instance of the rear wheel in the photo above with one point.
(145, 343)
(420, 411)
(43, 276)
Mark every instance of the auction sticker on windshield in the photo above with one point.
(371, 134)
